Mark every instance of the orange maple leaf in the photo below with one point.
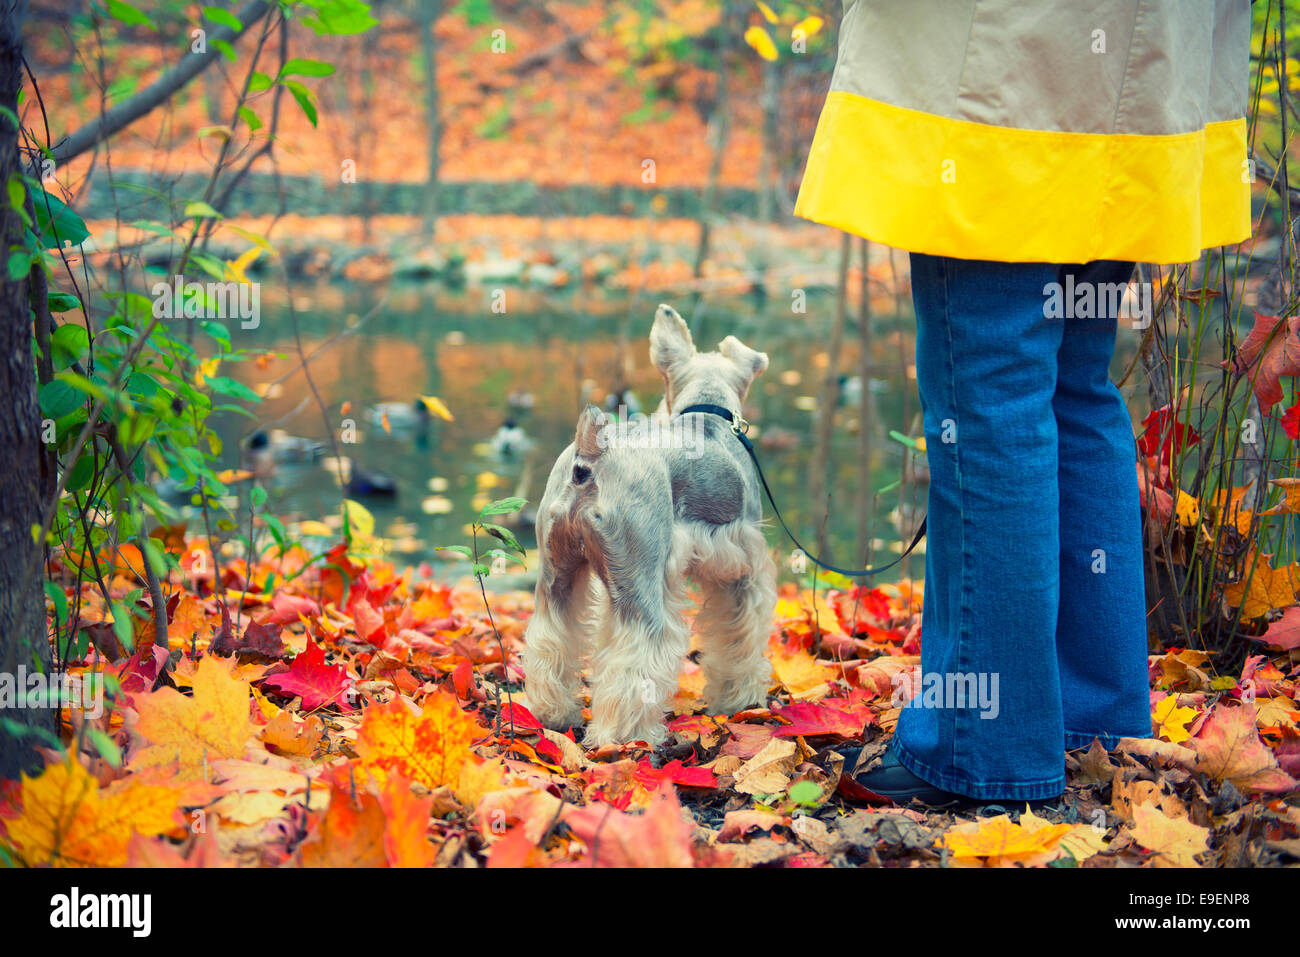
(1175, 840)
(1228, 747)
(67, 821)
(429, 748)
(657, 837)
(999, 840)
(194, 731)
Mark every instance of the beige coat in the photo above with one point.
(1037, 130)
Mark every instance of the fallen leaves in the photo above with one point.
(1174, 841)
(192, 731)
(429, 747)
(67, 821)
(389, 740)
(1229, 748)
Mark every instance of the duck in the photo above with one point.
(622, 398)
(400, 416)
(263, 451)
(510, 440)
(371, 484)
(521, 402)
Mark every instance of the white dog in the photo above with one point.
(626, 516)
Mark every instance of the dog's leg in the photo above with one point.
(634, 671)
(734, 624)
(555, 644)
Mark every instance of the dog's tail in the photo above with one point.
(590, 439)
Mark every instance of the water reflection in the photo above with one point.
(515, 384)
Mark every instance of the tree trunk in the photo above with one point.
(820, 468)
(23, 641)
(429, 11)
(866, 414)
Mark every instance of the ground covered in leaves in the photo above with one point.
(337, 712)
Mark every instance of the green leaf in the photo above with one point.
(201, 210)
(260, 82)
(124, 12)
(223, 18)
(504, 535)
(276, 528)
(227, 386)
(249, 117)
(805, 792)
(105, 745)
(58, 398)
(63, 302)
(60, 599)
(122, 625)
(82, 471)
(304, 97)
(19, 264)
(69, 343)
(297, 67)
(458, 549)
(339, 17)
(503, 506)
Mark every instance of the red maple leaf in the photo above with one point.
(810, 720)
(1291, 422)
(1267, 355)
(1158, 435)
(650, 777)
(319, 684)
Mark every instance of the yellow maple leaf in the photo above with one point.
(1233, 512)
(1188, 510)
(207, 368)
(768, 15)
(808, 27)
(478, 778)
(1269, 588)
(757, 38)
(801, 675)
(429, 748)
(67, 821)
(212, 724)
(1175, 841)
(999, 840)
(235, 268)
(1171, 720)
(437, 407)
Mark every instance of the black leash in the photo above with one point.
(738, 428)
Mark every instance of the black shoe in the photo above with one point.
(891, 783)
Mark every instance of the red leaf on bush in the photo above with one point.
(1268, 355)
(1164, 434)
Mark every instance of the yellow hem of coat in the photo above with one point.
(947, 187)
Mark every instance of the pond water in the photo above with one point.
(551, 353)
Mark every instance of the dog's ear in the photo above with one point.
(589, 439)
(750, 362)
(670, 339)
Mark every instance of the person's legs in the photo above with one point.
(987, 372)
(1101, 640)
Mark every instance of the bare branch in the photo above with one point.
(157, 92)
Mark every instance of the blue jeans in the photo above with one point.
(1033, 627)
